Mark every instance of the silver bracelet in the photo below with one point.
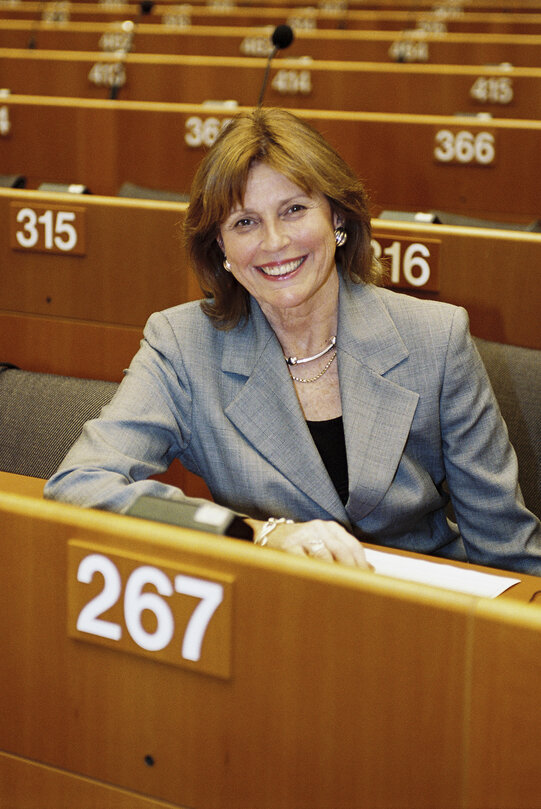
(273, 522)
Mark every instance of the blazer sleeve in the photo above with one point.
(481, 465)
(144, 427)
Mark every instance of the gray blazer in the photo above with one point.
(418, 411)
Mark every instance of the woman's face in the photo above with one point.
(280, 242)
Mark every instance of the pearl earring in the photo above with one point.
(340, 236)
(227, 265)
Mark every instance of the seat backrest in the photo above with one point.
(42, 415)
(515, 374)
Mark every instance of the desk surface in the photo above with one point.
(21, 484)
(404, 674)
(526, 590)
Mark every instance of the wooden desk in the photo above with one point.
(17, 33)
(400, 674)
(135, 141)
(303, 19)
(294, 82)
(505, 266)
(80, 315)
(409, 6)
(525, 591)
(173, 35)
(21, 484)
(412, 7)
(319, 84)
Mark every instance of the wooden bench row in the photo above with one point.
(221, 39)
(302, 17)
(486, 168)
(82, 274)
(302, 84)
(439, 693)
(454, 9)
(326, 41)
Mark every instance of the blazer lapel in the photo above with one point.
(377, 412)
(267, 412)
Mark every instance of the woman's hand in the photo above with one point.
(321, 539)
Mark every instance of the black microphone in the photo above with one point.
(282, 37)
(35, 26)
(209, 517)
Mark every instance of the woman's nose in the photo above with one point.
(275, 235)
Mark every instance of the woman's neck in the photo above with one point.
(305, 331)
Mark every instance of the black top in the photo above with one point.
(331, 443)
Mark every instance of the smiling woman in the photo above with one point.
(281, 248)
(242, 161)
(318, 406)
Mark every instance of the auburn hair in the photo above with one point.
(294, 148)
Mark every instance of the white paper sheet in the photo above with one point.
(462, 580)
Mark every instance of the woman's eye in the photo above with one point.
(243, 223)
(296, 208)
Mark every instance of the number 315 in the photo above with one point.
(53, 229)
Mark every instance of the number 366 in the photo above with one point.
(464, 147)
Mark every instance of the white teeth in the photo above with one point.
(282, 269)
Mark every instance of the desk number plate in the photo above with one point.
(135, 604)
(47, 229)
(411, 263)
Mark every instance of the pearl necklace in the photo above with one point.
(296, 361)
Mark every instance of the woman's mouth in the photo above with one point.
(281, 269)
